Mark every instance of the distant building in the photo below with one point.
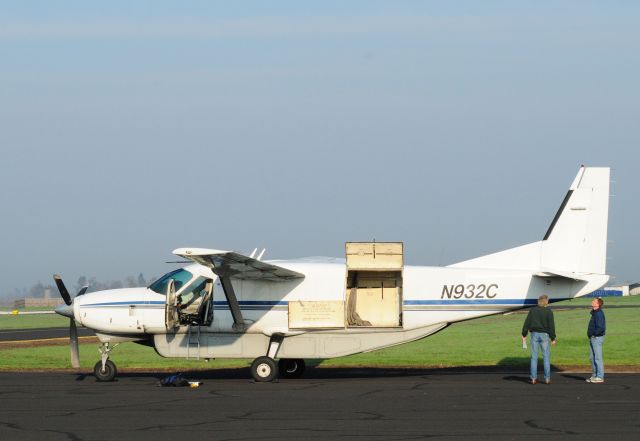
(616, 291)
(29, 302)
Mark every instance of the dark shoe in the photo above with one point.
(534, 381)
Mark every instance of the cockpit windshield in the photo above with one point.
(180, 278)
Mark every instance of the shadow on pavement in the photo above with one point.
(323, 373)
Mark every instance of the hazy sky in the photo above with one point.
(128, 129)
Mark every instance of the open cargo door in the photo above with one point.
(374, 284)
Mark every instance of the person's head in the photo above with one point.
(543, 300)
(597, 303)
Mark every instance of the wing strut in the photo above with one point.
(236, 313)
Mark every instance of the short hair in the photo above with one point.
(543, 300)
(600, 301)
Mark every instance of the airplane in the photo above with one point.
(280, 312)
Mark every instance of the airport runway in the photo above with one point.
(7, 335)
(349, 404)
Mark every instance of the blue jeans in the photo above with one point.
(540, 340)
(595, 355)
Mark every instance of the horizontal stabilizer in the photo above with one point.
(546, 274)
(238, 266)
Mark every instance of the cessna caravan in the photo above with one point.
(281, 312)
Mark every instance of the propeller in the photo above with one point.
(67, 311)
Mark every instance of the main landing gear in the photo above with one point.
(265, 368)
(291, 367)
(105, 369)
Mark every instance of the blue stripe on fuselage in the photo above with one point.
(266, 304)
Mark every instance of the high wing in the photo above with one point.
(233, 265)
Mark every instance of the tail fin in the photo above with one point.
(576, 240)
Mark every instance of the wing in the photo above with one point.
(238, 266)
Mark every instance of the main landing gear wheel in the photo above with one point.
(106, 374)
(264, 369)
(291, 367)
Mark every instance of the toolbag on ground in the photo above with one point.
(174, 380)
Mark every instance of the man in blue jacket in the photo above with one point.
(595, 332)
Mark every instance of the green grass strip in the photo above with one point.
(489, 341)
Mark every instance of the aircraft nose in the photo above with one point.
(65, 310)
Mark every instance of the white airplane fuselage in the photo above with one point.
(432, 298)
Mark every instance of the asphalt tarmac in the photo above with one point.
(15, 335)
(349, 404)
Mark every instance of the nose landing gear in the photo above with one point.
(105, 369)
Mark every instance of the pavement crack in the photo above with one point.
(175, 426)
(419, 386)
(371, 392)
(534, 425)
(373, 416)
(243, 416)
(219, 394)
(70, 435)
(11, 425)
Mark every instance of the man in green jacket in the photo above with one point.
(540, 324)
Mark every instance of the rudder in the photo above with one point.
(576, 240)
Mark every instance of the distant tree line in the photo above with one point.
(39, 289)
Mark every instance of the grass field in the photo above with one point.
(490, 341)
(28, 321)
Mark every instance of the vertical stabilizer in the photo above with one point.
(576, 240)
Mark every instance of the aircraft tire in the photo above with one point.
(291, 367)
(264, 369)
(109, 372)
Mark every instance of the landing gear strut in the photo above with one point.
(105, 369)
(265, 368)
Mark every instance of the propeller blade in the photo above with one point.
(63, 289)
(73, 344)
(82, 290)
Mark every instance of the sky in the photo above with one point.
(129, 129)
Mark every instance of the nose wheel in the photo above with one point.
(105, 369)
(106, 373)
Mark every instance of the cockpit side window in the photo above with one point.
(180, 278)
(192, 294)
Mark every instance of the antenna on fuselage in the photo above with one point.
(253, 253)
(261, 254)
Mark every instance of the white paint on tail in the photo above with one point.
(575, 244)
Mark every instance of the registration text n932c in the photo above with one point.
(470, 291)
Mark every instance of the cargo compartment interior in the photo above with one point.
(374, 284)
